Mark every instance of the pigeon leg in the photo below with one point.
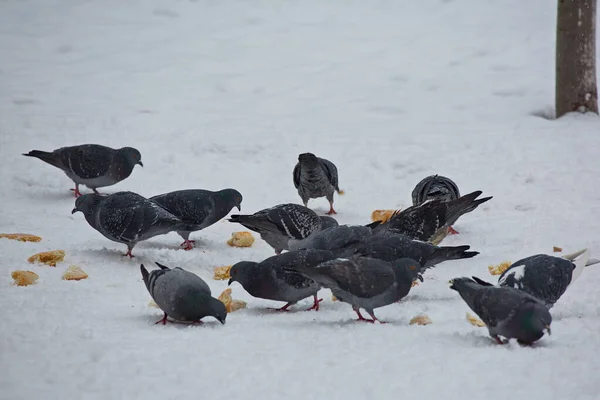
(372, 314)
(331, 210)
(452, 231)
(284, 308)
(96, 191)
(497, 339)
(76, 190)
(188, 244)
(128, 254)
(163, 320)
(360, 317)
(278, 251)
(315, 305)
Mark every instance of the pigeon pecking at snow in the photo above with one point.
(507, 312)
(126, 217)
(365, 282)
(92, 165)
(431, 220)
(278, 224)
(198, 208)
(435, 187)
(316, 177)
(272, 280)
(182, 295)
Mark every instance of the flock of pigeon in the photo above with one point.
(368, 266)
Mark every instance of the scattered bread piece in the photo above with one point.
(500, 268)
(241, 239)
(24, 278)
(556, 249)
(222, 273)
(473, 320)
(382, 215)
(420, 320)
(152, 303)
(230, 304)
(342, 192)
(415, 283)
(50, 258)
(74, 273)
(21, 237)
(333, 298)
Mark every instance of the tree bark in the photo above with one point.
(576, 88)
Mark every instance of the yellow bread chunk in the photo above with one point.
(415, 283)
(74, 273)
(556, 249)
(222, 273)
(241, 239)
(382, 215)
(230, 304)
(50, 258)
(420, 320)
(24, 278)
(21, 237)
(342, 192)
(333, 298)
(152, 303)
(473, 320)
(500, 268)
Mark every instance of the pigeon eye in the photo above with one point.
(413, 268)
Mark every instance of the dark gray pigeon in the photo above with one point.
(198, 208)
(390, 247)
(507, 312)
(545, 277)
(333, 238)
(316, 177)
(431, 220)
(434, 187)
(271, 280)
(365, 282)
(277, 225)
(92, 165)
(126, 217)
(181, 295)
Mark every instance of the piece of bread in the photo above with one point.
(473, 320)
(241, 239)
(333, 298)
(24, 278)
(74, 273)
(381, 215)
(230, 304)
(556, 249)
(500, 268)
(152, 303)
(222, 273)
(50, 258)
(21, 237)
(415, 283)
(420, 320)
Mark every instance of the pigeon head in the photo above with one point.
(533, 319)
(218, 310)
(328, 222)
(87, 203)
(231, 198)
(308, 159)
(408, 268)
(131, 156)
(240, 271)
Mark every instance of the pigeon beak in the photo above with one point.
(230, 282)
(420, 277)
(548, 330)
(222, 321)
(140, 163)
(73, 211)
(239, 207)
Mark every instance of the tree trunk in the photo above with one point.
(576, 88)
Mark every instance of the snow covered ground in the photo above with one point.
(227, 94)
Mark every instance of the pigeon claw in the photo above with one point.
(188, 244)
(452, 231)
(497, 339)
(163, 320)
(76, 190)
(315, 305)
(128, 254)
(284, 308)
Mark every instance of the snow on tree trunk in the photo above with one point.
(576, 88)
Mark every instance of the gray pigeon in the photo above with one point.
(126, 217)
(544, 277)
(507, 312)
(431, 220)
(198, 208)
(365, 282)
(92, 165)
(333, 238)
(390, 247)
(316, 177)
(277, 225)
(435, 187)
(182, 295)
(270, 279)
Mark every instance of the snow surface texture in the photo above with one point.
(222, 94)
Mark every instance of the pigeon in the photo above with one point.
(316, 177)
(544, 277)
(507, 312)
(92, 165)
(126, 217)
(278, 224)
(431, 220)
(365, 282)
(434, 187)
(198, 208)
(332, 238)
(182, 295)
(390, 247)
(271, 280)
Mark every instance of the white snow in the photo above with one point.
(222, 94)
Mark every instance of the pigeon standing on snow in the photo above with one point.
(431, 220)
(316, 177)
(506, 312)
(198, 208)
(92, 165)
(270, 279)
(181, 295)
(365, 282)
(277, 225)
(126, 217)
